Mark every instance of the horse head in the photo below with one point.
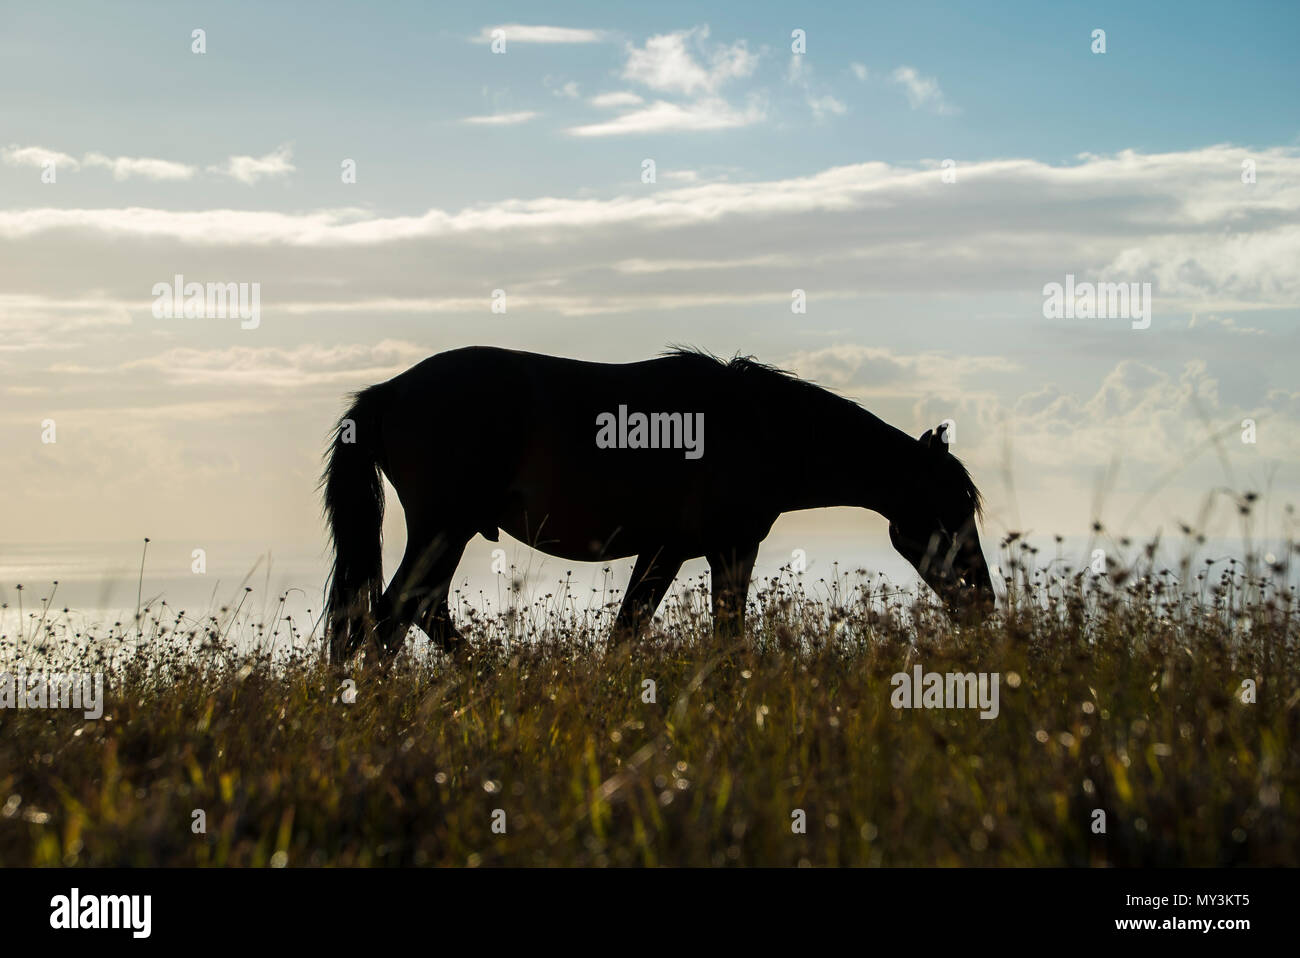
(937, 530)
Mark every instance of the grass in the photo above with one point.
(1122, 693)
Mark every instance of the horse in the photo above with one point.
(668, 459)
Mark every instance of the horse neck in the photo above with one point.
(857, 459)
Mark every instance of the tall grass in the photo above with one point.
(1122, 693)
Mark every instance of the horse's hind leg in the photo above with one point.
(435, 621)
(417, 594)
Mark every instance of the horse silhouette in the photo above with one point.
(669, 459)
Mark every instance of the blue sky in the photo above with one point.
(522, 171)
(398, 78)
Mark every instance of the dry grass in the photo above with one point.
(1120, 693)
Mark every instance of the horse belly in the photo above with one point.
(599, 510)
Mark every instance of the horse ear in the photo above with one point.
(936, 440)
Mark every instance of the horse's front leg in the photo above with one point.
(652, 576)
(731, 568)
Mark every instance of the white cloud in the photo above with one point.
(660, 116)
(821, 103)
(519, 33)
(922, 92)
(1205, 241)
(1171, 434)
(1226, 324)
(250, 169)
(501, 119)
(125, 167)
(58, 322)
(37, 156)
(567, 89)
(1254, 264)
(859, 70)
(667, 64)
(618, 98)
(1155, 417)
(641, 265)
(877, 371)
(823, 106)
(250, 367)
(678, 64)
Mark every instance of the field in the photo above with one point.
(1172, 711)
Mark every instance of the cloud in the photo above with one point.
(667, 63)
(37, 156)
(923, 92)
(518, 33)
(821, 103)
(824, 106)
(566, 89)
(58, 322)
(501, 119)
(859, 70)
(526, 297)
(1205, 241)
(1170, 432)
(125, 167)
(661, 116)
(250, 169)
(1251, 263)
(616, 99)
(245, 168)
(1152, 416)
(678, 64)
(1226, 324)
(864, 371)
(638, 265)
(300, 367)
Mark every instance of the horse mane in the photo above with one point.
(749, 367)
(963, 479)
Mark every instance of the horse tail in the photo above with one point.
(354, 509)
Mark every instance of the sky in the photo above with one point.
(920, 171)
